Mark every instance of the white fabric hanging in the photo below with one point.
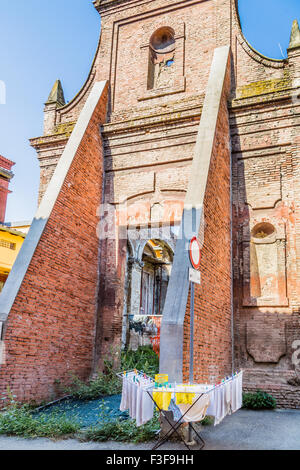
(136, 400)
(125, 395)
(237, 393)
(197, 412)
(219, 402)
(226, 398)
(145, 407)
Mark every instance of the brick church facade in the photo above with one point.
(181, 129)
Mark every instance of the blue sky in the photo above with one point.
(42, 41)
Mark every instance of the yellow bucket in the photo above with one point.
(161, 379)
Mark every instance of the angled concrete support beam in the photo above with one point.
(171, 352)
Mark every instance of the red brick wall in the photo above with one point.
(50, 330)
(265, 168)
(212, 343)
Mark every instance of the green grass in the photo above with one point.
(19, 420)
(122, 431)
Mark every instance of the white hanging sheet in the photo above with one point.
(135, 398)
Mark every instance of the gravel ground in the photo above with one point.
(245, 430)
(89, 413)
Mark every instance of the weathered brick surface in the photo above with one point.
(266, 282)
(50, 331)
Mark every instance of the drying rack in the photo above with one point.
(175, 388)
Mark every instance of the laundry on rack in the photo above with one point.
(197, 412)
(189, 403)
(226, 398)
(184, 398)
(175, 410)
(135, 398)
(162, 399)
(237, 393)
(126, 399)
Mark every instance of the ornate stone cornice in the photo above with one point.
(61, 135)
(259, 100)
(39, 143)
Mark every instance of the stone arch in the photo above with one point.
(149, 269)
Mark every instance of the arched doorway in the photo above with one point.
(147, 284)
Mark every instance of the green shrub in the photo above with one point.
(144, 359)
(102, 385)
(107, 383)
(208, 421)
(259, 401)
(19, 420)
(122, 431)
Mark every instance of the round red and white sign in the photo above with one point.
(195, 253)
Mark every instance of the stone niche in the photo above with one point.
(264, 266)
(163, 57)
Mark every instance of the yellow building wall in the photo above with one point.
(10, 246)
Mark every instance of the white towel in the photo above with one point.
(218, 407)
(211, 411)
(228, 395)
(125, 395)
(139, 406)
(237, 393)
(147, 408)
(136, 399)
(133, 400)
(221, 405)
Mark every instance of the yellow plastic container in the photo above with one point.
(161, 380)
